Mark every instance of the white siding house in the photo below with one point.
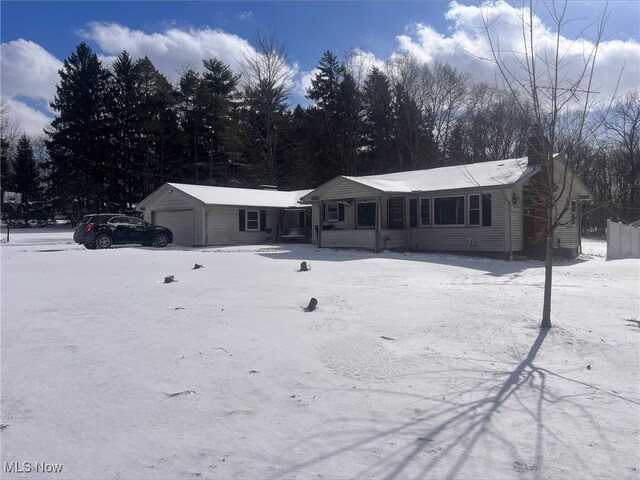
(202, 215)
(469, 208)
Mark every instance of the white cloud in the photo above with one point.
(172, 49)
(244, 15)
(303, 84)
(28, 70)
(30, 121)
(465, 46)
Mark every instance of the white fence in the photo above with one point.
(623, 241)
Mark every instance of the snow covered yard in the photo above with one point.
(412, 366)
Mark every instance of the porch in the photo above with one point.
(365, 239)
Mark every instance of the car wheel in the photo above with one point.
(103, 241)
(89, 247)
(161, 240)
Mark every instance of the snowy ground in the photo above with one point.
(412, 366)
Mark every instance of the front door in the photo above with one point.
(395, 213)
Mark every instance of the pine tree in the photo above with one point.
(221, 120)
(160, 134)
(325, 92)
(378, 132)
(349, 125)
(193, 101)
(25, 179)
(128, 149)
(79, 141)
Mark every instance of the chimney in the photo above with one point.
(537, 146)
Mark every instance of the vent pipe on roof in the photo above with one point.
(268, 187)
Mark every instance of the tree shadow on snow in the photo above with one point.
(462, 426)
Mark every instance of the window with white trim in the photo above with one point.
(366, 214)
(425, 212)
(474, 210)
(253, 220)
(331, 212)
(448, 211)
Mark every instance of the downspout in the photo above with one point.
(378, 225)
(204, 225)
(579, 223)
(510, 232)
(320, 223)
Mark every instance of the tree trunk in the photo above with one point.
(548, 276)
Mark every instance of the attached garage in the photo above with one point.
(180, 222)
(200, 215)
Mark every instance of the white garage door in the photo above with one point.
(180, 222)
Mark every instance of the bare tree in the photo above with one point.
(445, 95)
(622, 126)
(268, 81)
(9, 133)
(553, 80)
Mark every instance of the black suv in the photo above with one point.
(106, 229)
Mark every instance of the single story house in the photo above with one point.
(200, 215)
(488, 207)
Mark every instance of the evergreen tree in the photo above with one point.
(378, 131)
(6, 171)
(26, 180)
(193, 102)
(348, 122)
(160, 133)
(221, 120)
(325, 86)
(79, 141)
(324, 116)
(128, 149)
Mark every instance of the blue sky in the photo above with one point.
(38, 36)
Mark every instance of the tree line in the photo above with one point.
(121, 132)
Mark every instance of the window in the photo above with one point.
(138, 223)
(396, 213)
(448, 211)
(425, 212)
(574, 213)
(474, 210)
(331, 214)
(486, 210)
(366, 215)
(253, 220)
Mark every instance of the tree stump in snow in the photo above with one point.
(312, 305)
(169, 279)
(303, 267)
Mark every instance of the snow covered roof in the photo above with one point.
(485, 174)
(246, 197)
